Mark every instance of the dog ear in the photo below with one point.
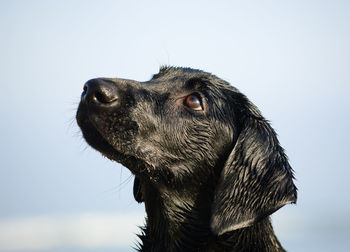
(256, 179)
(137, 190)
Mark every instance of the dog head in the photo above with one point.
(186, 126)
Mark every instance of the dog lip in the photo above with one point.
(91, 134)
(96, 140)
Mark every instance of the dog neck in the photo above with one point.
(172, 225)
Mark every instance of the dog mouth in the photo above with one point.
(91, 134)
(121, 153)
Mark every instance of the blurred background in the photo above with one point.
(291, 58)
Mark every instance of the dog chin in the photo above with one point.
(115, 153)
(93, 136)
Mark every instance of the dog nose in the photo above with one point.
(100, 92)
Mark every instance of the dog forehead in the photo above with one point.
(173, 79)
(177, 75)
(168, 72)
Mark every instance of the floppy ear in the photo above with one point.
(256, 179)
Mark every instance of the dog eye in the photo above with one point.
(193, 101)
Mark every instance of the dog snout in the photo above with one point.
(100, 93)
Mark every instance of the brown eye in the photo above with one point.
(192, 101)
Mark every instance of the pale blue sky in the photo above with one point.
(291, 58)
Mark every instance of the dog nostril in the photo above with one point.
(83, 94)
(105, 97)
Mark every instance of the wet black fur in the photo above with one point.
(209, 179)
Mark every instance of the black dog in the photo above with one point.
(207, 165)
